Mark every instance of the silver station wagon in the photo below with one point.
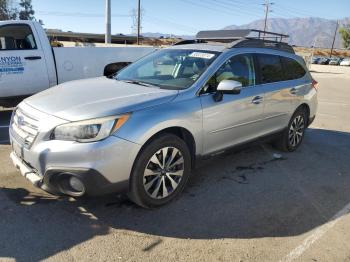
(142, 130)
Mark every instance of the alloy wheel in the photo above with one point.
(163, 172)
(296, 131)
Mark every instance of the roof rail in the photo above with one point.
(259, 43)
(186, 42)
(243, 38)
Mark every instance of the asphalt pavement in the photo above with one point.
(243, 206)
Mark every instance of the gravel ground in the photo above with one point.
(242, 206)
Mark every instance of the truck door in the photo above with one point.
(22, 62)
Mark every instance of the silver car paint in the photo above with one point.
(97, 97)
(221, 126)
(213, 125)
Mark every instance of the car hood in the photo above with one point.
(97, 97)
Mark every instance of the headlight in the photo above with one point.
(90, 130)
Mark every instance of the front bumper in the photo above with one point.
(103, 167)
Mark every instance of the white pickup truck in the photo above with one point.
(28, 64)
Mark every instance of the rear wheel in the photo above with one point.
(160, 172)
(293, 135)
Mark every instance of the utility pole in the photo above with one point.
(267, 5)
(108, 37)
(335, 34)
(138, 21)
(313, 51)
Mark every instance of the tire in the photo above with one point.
(155, 182)
(291, 138)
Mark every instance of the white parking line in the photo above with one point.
(316, 235)
(318, 232)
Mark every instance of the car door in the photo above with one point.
(237, 117)
(278, 92)
(22, 63)
(297, 80)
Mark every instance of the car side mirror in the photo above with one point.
(227, 87)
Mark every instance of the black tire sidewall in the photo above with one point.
(137, 191)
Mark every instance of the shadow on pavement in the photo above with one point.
(245, 195)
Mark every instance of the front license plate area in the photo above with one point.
(18, 149)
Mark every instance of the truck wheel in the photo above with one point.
(160, 172)
(291, 138)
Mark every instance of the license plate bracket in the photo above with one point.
(18, 149)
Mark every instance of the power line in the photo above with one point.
(232, 7)
(158, 21)
(135, 20)
(294, 10)
(283, 11)
(78, 14)
(216, 9)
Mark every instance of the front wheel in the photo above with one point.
(160, 171)
(293, 135)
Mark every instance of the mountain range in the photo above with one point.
(302, 31)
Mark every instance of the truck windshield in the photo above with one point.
(168, 68)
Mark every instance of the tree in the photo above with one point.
(3, 10)
(24, 12)
(6, 12)
(345, 35)
(27, 12)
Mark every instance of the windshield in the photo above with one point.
(168, 68)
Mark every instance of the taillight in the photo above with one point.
(314, 83)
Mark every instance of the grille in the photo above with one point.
(24, 127)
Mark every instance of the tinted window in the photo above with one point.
(239, 68)
(16, 37)
(293, 70)
(270, 68)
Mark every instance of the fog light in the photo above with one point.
(69, 184)
(76, 184)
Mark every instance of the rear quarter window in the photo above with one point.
(271, 69)
(293, 70)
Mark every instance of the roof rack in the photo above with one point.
(243, 38)
(230, 35)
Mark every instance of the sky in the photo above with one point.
(180, 17)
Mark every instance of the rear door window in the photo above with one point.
(16, 37)
(271, 69)
(293, 70)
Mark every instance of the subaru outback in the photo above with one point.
(142, 130)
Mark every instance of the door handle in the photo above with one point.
(32, 57)
(293, 91)
(257, 100)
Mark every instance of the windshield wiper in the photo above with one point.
(139, 83)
